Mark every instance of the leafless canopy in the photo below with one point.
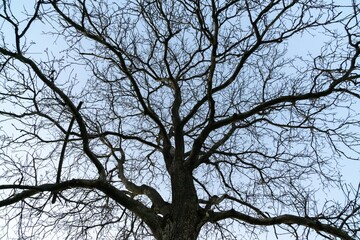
(179, 119)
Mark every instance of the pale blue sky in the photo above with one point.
(302, 45)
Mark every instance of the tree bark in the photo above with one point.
(184, 219)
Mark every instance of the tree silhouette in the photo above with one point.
(179, 119)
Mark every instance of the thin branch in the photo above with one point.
(62, 154)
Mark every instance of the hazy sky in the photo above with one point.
(300, 45)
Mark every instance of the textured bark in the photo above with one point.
(184, 220)
(179, 230)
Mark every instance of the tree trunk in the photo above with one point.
(179, 230)
(184, 220)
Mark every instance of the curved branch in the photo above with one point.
(32, 190)
(62, 154)
(122, 64)
(68, 102)
(158, 202)
(288, 219)
(118, 196)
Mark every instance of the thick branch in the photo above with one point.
(312, 223)
(135, 206)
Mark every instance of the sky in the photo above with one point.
(300, 45)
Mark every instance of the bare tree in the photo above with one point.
(179, 119)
